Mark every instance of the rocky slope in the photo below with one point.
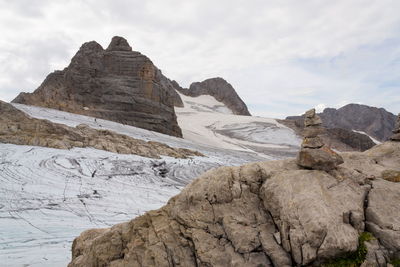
(336, 138)
(221, 90)
(18, 128)
(376, 122)
(116, 84)
(263, 214)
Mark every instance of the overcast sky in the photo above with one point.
(282, 57)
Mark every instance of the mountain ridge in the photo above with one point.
(221, 90)
(376, 122)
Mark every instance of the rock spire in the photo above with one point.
(396, 131)
(314, 154)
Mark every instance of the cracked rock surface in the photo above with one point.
(261, 214)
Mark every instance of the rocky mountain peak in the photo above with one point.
(91, 46)
(376, 122)
(115, 84)
(221, 90)
(119, 44)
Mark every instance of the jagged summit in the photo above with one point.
(119, 44)
(221, 90)
(91, 46)
(116, 84)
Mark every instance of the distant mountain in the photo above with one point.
(116, 84)
(376, 122)
(337, 138)
(221, 90)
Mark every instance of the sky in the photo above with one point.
(282, 57)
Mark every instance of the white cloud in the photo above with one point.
(282, 56)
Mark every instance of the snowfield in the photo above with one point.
(203, 120)
(49, 196)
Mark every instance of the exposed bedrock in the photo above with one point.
(261, 214)
(220, 90)
(18, 128)
(116, 84)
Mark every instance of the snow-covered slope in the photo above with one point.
(205, 120)
(48, 196)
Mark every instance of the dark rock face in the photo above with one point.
(116, 84)
(376, 122)
(221, 90)
(360, 142)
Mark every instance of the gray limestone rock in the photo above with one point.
(221, 90)
(319, 159)
(231, 216)
(396, 130)
(383, 214)
(307, 207)
(116, 84)
(18, 128)
(313, 154)
(376, 122)
(312, 142)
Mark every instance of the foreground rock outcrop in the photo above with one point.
(262, 214)
(221, 90)
(18, 128)
(116, 84)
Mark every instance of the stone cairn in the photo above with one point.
(396, 131)
(313, 153)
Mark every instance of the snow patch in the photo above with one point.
(377, 142)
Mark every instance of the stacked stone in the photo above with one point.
(396, 131)
(314, 154)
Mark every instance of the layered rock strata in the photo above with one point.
(18, 128)
(116, 84)
(396, 131)
(313, 154)
(221, 90)
(262, 214)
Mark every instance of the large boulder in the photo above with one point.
(261, 214)
(319, 159)
(383, 214)
(116, 84)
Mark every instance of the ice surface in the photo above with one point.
(201, 123)
(49, 196)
